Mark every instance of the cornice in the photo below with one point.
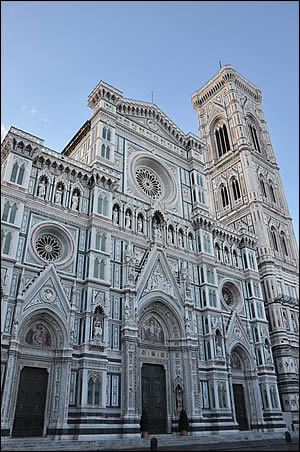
(77, 138)
(225, 75)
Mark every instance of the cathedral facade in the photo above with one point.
(143, 267)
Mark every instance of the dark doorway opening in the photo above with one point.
(31, 400)
(154, 397)
(240, 407)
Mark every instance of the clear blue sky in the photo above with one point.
(55, 53)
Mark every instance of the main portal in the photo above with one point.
(154, 397)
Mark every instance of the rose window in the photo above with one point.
(48, 247)
(227, 296)
(148, 182)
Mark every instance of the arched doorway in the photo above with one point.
(161, 363)
(154, 397)
(31, 400)
(240, 368)
(38, 385)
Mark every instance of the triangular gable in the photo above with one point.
(236, 332)
(156, 128)
(157, 276)
(46, 292)
(158, 122)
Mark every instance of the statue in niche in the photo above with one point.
(191, 248)
(75, 201)
(218, 342)
(156, 229)
(58, 195)
(98, 329)
(128, 220)
(140, 224)
(170, 236)
(179, 398)
(115, 217)
(42, 189)
(180, 240)
(152, 331)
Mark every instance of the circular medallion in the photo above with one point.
(48, 247)
(152, 125)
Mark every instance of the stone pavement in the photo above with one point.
(241, 441)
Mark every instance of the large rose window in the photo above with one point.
(149, 182)
(151, 178)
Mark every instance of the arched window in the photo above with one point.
(13, 212)
(274, 239)
(273, 396)
(272, 194)
(107, 152)
(249, 290)
(97, 241)
(103, 150)
(226, 138)
(96, 268)
(105, 204)
(254, 138)
(103, 240)
(283, 244)
(21, 175)
(104, 133)
(222, 141)
(7, 243)
(236, 189)
(101, 269)
(5, 211)
(262, 187)
(90, 391)
(224, 196)
(94, 391)
(108, 135)
(97, 392)
(14, 172)
(100, 204)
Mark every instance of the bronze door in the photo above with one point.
(30, 408)
(154, 397)
(240, 408)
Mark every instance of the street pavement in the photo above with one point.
(236, 446)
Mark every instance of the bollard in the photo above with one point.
(288, 437)
(153, 444)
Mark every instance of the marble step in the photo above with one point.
(45, 444)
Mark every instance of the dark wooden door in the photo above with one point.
(240, 408)
(154, 397)
(29, 416)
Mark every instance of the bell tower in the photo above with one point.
(246, 192)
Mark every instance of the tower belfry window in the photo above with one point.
(254, 138)
(222, 140)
